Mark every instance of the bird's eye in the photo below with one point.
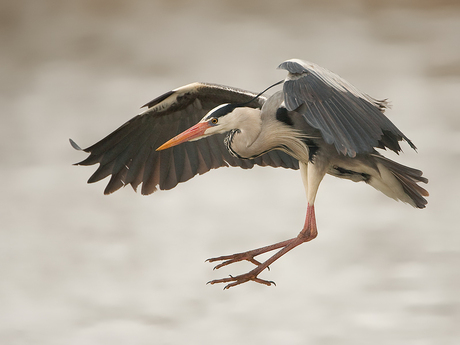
(214, 120)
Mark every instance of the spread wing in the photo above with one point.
(352, 121)
(128, 154)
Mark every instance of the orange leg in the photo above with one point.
(308, 233)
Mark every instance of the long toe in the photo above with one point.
(243, 278)
(230, 259)
(218, 281)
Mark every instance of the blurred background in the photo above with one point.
(78, 267)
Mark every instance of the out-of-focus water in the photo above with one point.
(77, 267)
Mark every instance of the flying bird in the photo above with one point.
(318, 123)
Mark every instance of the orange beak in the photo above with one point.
(194, 132)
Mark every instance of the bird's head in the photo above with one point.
(221, 119)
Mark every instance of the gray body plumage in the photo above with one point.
(296, 137)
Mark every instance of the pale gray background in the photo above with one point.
(77, 267)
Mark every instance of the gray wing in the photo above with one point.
(128, 154)
(347, 118)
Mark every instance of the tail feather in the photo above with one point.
(408, 178)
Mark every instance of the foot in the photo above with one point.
(307, 234)
(243, 278)
(249, 256)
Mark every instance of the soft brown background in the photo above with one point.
(77, 267)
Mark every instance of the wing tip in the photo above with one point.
(75, 145)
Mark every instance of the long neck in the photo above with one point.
(254, 136)
(247, 126)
